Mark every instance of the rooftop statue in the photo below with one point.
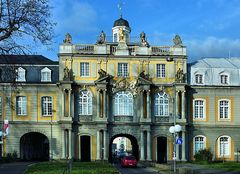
(121, 35)
(68, 39)
(102, 38)
(143, 39)
(177, 41)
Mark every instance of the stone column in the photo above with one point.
(104, 103)
(69, 103)
(142, 104)
(142, 158)
(63, 145)
(70, 143)
(79, 149)
(63, 103)
(98, 103)
(149, 146)
(148, 105)
(105, 145)
(98, 145)
(177, 147)
(183, 147)
(183, 105)
(176, 105)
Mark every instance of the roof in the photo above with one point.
(121, 22)
(26, 59)
(217, 63)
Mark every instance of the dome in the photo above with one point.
(121, 22)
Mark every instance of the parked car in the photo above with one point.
(129, 161)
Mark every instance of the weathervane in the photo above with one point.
(120, 4)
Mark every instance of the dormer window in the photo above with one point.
(224, 79)
(45, 75)
(21, 75)
(199, 79)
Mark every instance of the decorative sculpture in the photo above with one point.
(143, 39)
(66, 73)
(121, 35)
(177, 41)
(102, 73)
(143, 75)
(68, 39)
(180, 76)
(102, 38)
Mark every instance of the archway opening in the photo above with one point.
(121, 145)
(85, 148)
(161, 149)
(34, 146)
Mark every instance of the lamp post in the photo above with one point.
(174, 130)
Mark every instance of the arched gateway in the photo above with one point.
(34, 146)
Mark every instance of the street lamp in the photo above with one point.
(174, 130)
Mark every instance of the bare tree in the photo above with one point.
(28, 19)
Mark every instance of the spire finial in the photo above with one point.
(120, 4)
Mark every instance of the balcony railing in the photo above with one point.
(123, 118)
(161, 119)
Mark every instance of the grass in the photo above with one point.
(229, 166)
(77, 168)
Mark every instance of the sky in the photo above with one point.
(208, 28)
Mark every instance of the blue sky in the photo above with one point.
(209, 28)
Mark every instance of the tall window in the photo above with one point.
(21, 103)
(0, 105)
(84, 69)
(122, 69)
(224, 146)
(46, 75)
(161, 70)
(85, 103)
(224, 79)
(123, 103)
(21, 75)
(199, 79)
(47, 106)
(199, 143)
(224, 109)
(199, 109)
(161, 104)
(115, 37)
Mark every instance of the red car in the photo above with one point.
(129, 161)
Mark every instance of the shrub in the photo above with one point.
(203, 155)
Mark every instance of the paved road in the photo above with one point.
(138, 170)
(13, 168)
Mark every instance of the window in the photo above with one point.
(47, 106)
(161, 104)
(123, 103)
(21, 104)
(161, 70)
(224, 79)
(224, 146)
(115, 37)
(85, 103)
(84, 69)
(122, 69)
(199, 109)
(224, 109)
(199, 79)
(0, 105)
(21, 75)
(199, 143)
(46, 75)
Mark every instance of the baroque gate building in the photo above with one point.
(122, 88)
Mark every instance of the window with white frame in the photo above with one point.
(0, 105)
(161, 70)
(224, 109)
(199, 109)
(21, 75)
(47, 106)
(224, 146)
(115, 37)
(199, 143)
(198, 78)
(84, 69)
(161, 104)
(85, 103)
(224, 79)
(122, 70)
(123, 103)
(46, 75)
(21, 105)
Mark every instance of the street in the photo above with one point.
(14, 168)
(138, 170)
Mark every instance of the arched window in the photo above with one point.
(199, 143)
(21, 75)
(161, 104)
(224, 146)
(123, 103)
(85, 103)
(45, 75)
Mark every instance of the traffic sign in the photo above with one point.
(179, 141)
